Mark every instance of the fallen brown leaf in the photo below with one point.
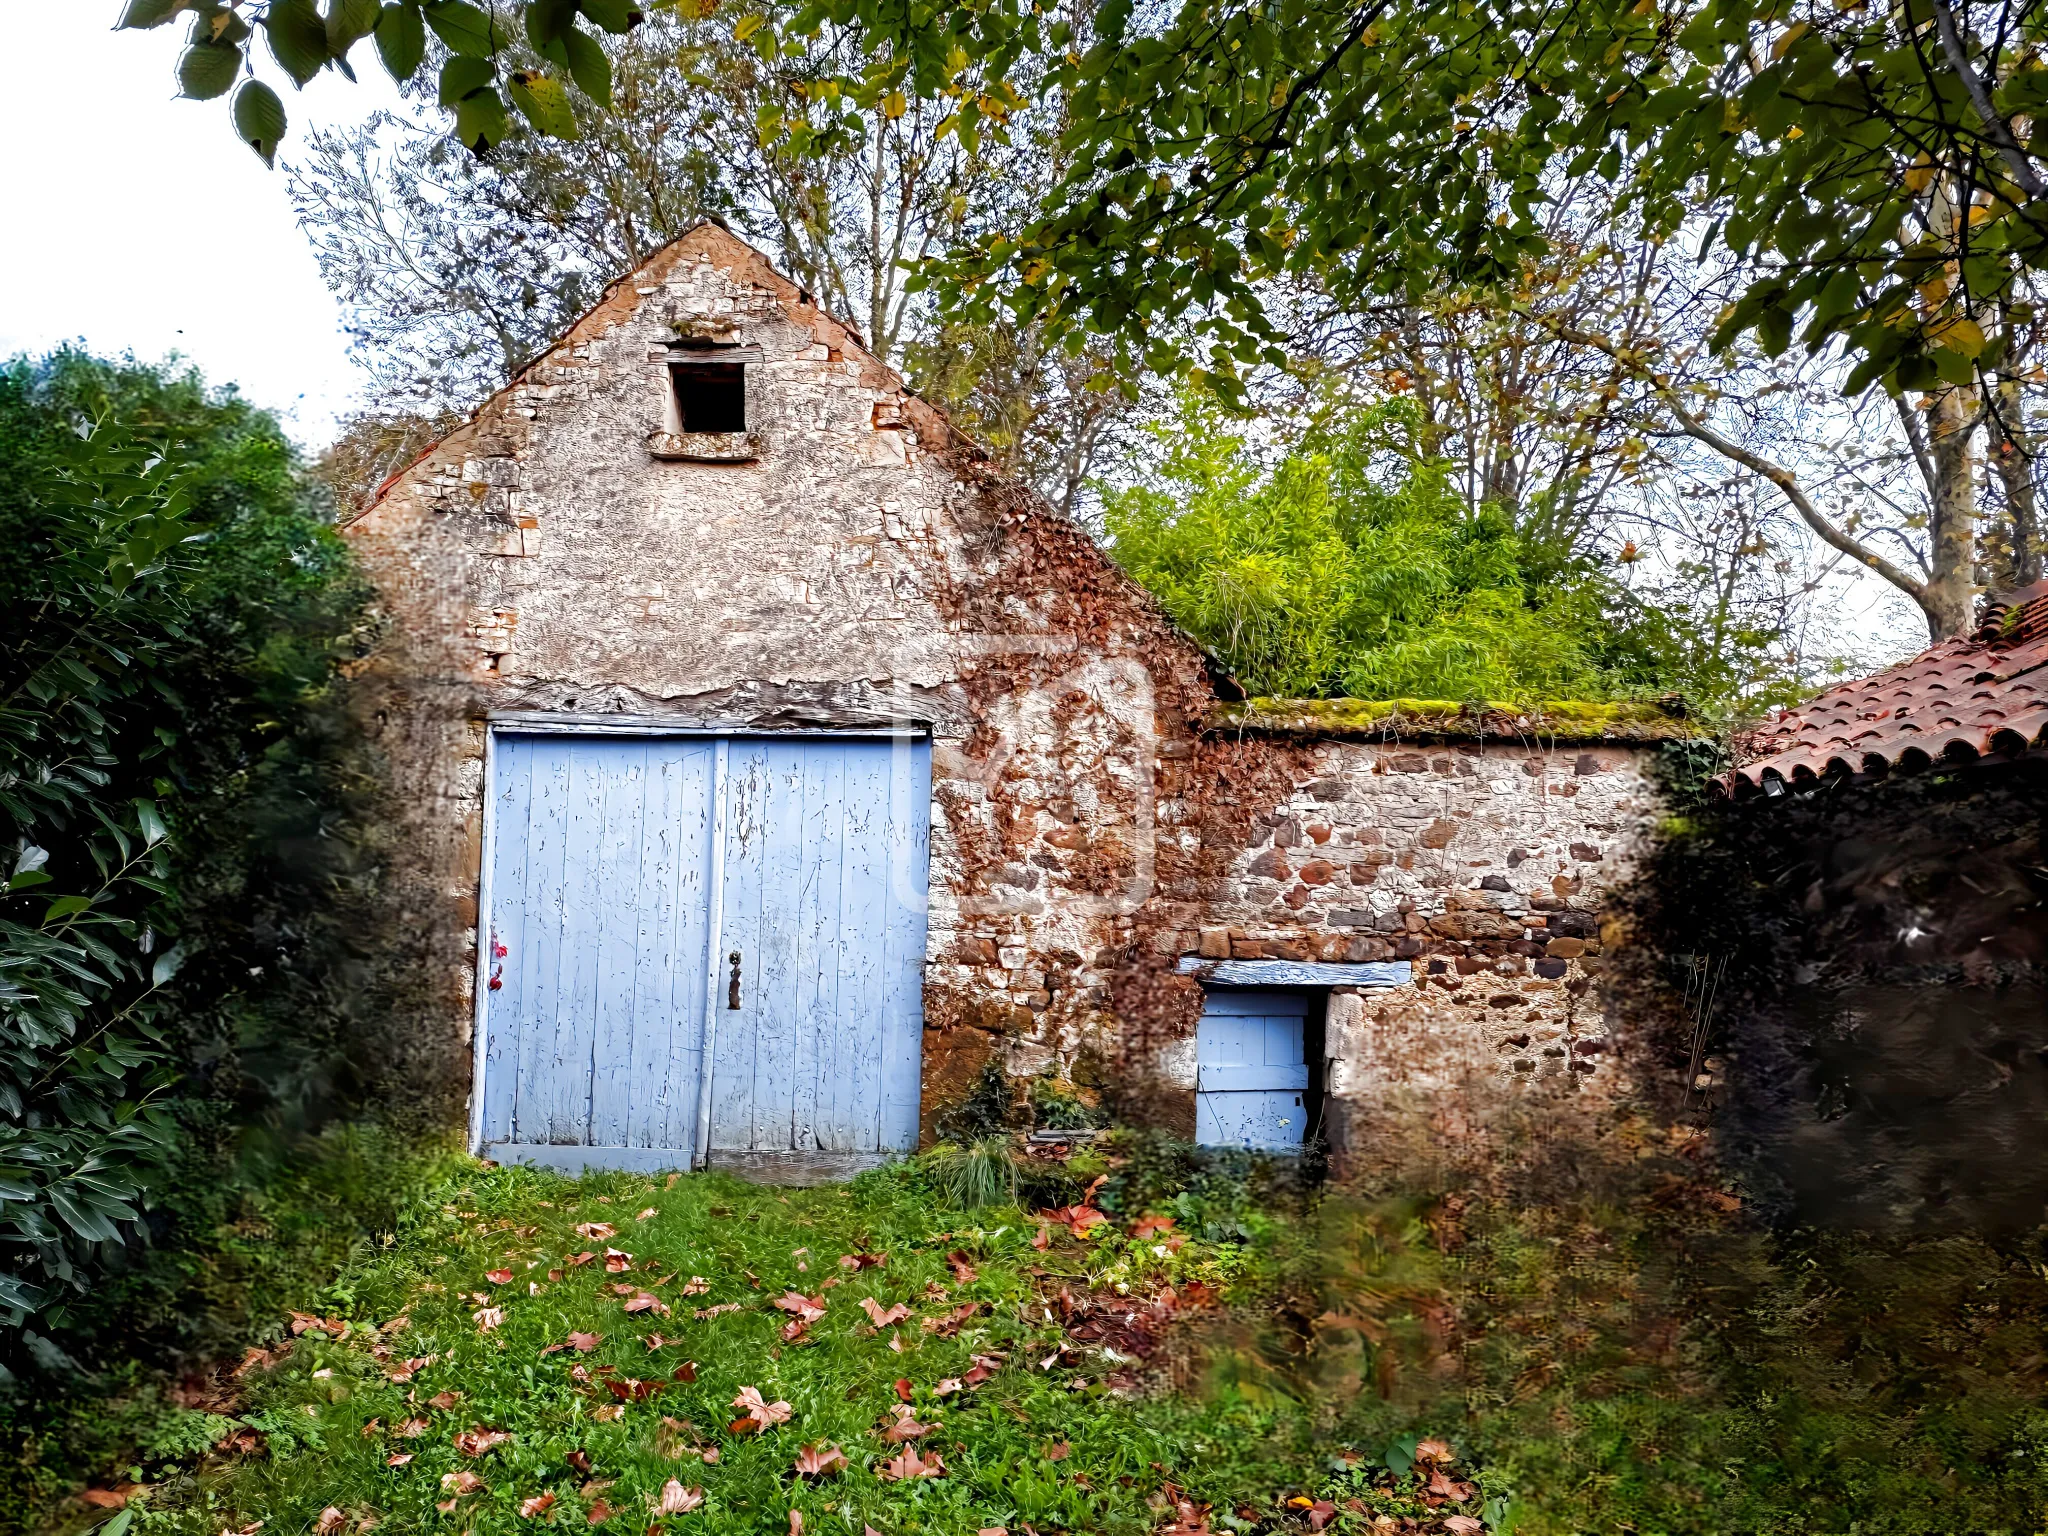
(599, 1512)
(592, 1231)
(820, 1461)
(908, 1466)
(963, 1271)
(537, 1507)
(459, 1483)
(499, 1276)
(330, 1521)
(762, 1412)
(444, 1400)
(883, 1318)
(677, 1500)
(480, 1441)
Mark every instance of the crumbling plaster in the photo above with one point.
(868, 567)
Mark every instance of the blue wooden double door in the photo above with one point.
(703, 949)
(1251, 1064)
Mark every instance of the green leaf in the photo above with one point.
(348, 23)
(206, 70)
(298, 38)
(547, 20)
(612, 15)
(589, 66)
(66, 906)
(401, 40)
(27, 878)
(167, 965)
(465, 29)
(118, 1526)
(260, 119)
(152, 824)
(480, 121)
(545, 104)
(148, 13)
(462, 77)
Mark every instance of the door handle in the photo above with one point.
(732, 988)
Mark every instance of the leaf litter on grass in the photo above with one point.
(582, 1422)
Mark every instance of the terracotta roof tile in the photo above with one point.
(1964, 698)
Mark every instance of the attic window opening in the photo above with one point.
(710, 397)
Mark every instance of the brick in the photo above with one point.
(1215, 944)
(1565, 949)
(1318, 872)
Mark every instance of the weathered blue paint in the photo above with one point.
(1252, 1080)
(1298, 973)
(825, 866)
(599, 924)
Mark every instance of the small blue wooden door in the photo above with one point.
(1251, 1086)
(653, 897)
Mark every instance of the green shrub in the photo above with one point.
(185, 957)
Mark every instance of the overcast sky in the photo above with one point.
(141, 224)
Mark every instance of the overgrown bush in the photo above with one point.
(182, 809)
(1345, 562)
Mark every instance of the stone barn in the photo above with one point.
(769, 770)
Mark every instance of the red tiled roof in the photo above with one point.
(1963, 699)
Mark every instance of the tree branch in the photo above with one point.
(1756, 463)
(2015, 158)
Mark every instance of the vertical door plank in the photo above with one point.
(582, 925)
(538, 950)
(733, 1068)
(909, 858)
(816, 920)
(863, 936)
(776, 1052)
(511, 826)
(669, 1011)
(623, 932)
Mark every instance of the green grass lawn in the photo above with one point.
(693, 1354)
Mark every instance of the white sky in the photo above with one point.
(141, 224)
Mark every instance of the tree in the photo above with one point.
(1347, 563)
(1873, 171)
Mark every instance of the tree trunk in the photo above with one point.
(1949, 597)
(2012, 455)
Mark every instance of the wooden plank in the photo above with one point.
(1297, 973)
(714, 956)
(583, 905)
(622, 934)
(502, 919)
(863, 939)
(538, 949)
(909, 852)
(668, 1019)
(1259, 1005)
(1223, 1077)
(816, 920)
(734, 1066)
(780, 1055)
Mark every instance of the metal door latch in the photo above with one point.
(732, 989)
